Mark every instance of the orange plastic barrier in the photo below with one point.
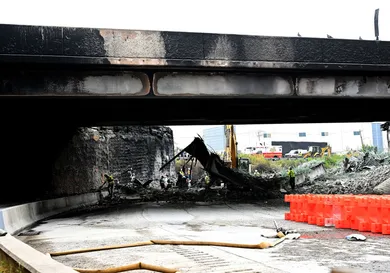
(359, 212)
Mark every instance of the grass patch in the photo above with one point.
(6, 268)
(281, 166)
(7, 265)
(3, 268)
(333, 160)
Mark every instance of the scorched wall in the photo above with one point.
(93, 151)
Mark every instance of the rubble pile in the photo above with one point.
(199, 193)
(362, 174)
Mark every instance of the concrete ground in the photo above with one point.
(317, 250)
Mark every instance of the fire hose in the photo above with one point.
(261, 245)
(124, 268)
(141, 265)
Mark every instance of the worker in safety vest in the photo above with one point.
(180, 180)
(207, 180)
(291, 175)
(110, 181)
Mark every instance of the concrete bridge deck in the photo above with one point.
(64, 45)
(189, 78)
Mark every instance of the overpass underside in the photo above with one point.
(55, 79)
(85, 76)
(96, 96)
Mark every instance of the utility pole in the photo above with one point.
(259, 135)
(376, 24)
(361, 138)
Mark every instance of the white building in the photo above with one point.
(340, 136)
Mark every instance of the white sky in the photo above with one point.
(341, 19)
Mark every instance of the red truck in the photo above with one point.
(272, 152)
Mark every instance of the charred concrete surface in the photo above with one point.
(318, 249)
(93, 151)
(43, 162)
(68, 82)
(134, 47)
(131, 72)
(89, 83)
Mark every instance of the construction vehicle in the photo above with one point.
(266, 151)
(230, 155)
(234, 178)
(317, 151)
(350, 154)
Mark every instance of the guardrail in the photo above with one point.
(19, 257)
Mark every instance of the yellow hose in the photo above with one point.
(140, 265)
(261, 245)
(61, 253)
(202, 243)
(127, 268)
(158, 268)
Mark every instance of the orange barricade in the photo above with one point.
(338, 206)
(385, 213)
(375, 214)
(287, 199)
(328, 210)
(320, 208)
(302, 205)
(358, 212)
(311, 209)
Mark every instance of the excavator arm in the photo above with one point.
(236, 179)
(231, 147)
(326, 149)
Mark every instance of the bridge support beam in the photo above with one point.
(194, 84)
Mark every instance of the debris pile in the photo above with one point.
(362, 174)
(364, 161)
(236, 180)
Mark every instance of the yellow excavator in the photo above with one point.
(230, 155)
(317, 151)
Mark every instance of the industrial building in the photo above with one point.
(215, 138)
(340, 136)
